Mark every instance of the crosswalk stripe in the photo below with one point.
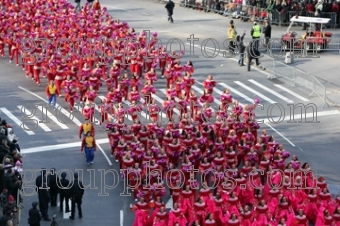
(255, 92)
(291, 92)
(271, 91)
(17, 121)
(33, 117)
(51, 116)
(232, 90)
(219, 92)
(201, 92)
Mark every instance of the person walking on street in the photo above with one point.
(89, 146)
(64, 192)
(267, 31)
(256, 34)
(34, 215)
(78, 7)
(52, 92)
(53, 179)
(85, 128)
(44, 197)
(252, 53)
(241, 48)
(170, 8)
(76, 195)
(231, 38)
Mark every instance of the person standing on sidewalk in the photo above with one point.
(267, 31)
(89, 146)
(52, 92)
(241, 48)
(256, 34)
(170, 8)
(76, 195)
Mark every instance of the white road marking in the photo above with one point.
(17, 121)
(291, 92)
(51, 116)
(169, 204)
(59, 146)
(232, 90)
(255, 92)
(62, 110)
(34, 118)
(270, 90)
(219, 92)
(67, 215)
(121, 218)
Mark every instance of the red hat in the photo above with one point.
(11, 198)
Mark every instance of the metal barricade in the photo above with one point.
(333, 97)
(282, 70)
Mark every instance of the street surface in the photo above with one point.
(314, 139)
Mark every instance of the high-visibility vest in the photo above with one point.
(257, 31)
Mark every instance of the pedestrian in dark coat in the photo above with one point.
(43, 194)
(34, 215)
(76, 195)
(252, 53)
(53, 182)
(64, 192)
(170, 8)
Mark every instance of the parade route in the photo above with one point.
(53, 141)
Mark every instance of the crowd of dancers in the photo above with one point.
(222, 144)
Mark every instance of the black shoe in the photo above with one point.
(72, 218)
(67, 211)
(80, 217)
(47, 219)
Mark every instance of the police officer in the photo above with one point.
(256, 34)
(170, 8)
(76, 195)
(64, 191)
(34, 215)
(43, 194)
(53, 179)
(252, 53)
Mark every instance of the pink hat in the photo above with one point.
(18, 163)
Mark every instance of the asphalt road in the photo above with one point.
(56, 144)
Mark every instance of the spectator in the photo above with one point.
(54, 181)
(5, 218)
(241, 48)
(318, 8)
(267, 31)
(9, 206)
(8, 181)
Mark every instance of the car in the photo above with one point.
(313, 40)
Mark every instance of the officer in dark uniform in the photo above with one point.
(53, 179)
(170, 8)
(76, 196)
(252, 53)
(43, 194)
(34, 215)
(64, 192)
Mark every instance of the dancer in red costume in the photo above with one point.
(209, 84)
